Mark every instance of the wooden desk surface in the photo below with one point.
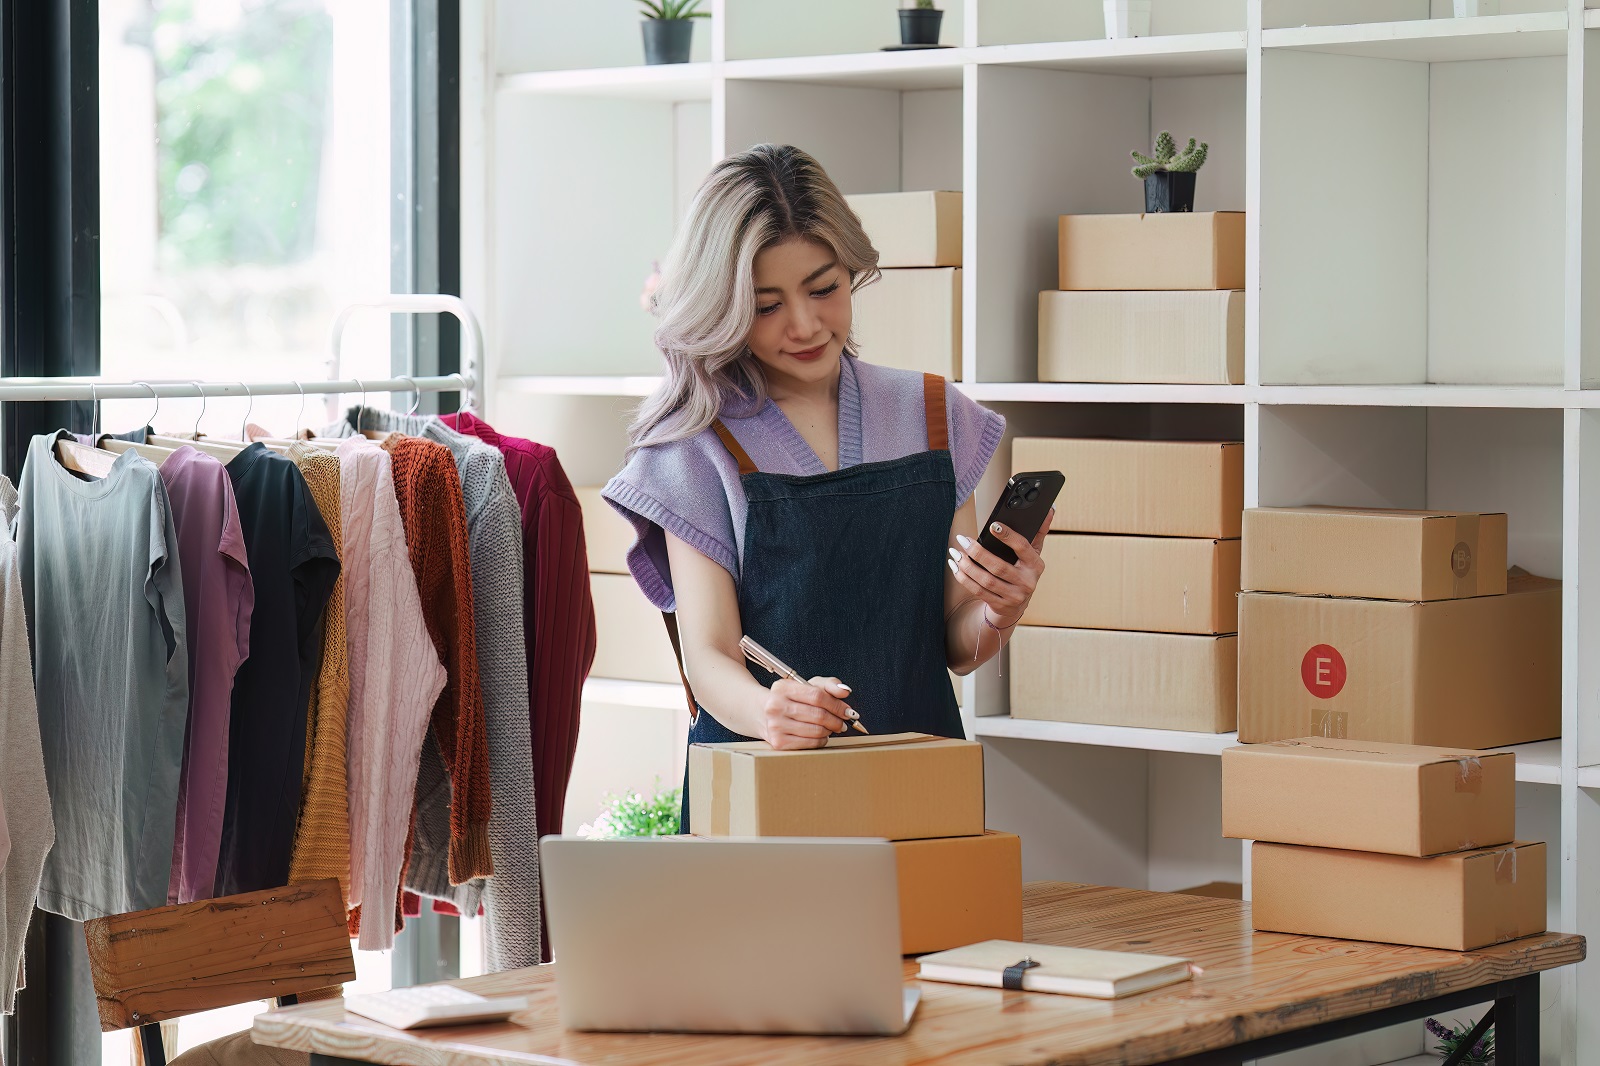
(1254, 984)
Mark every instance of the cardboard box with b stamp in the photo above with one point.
(1359, 795)
(1374, 554)
(1112, 677)
(1150, 488)
(911, 320)
(1456, 902)
(1175, 250)
(631, 640)
(911, 229)
(899, 786)
(1156, 584)
(1483, 672)
(1187, 338)
(956, 891)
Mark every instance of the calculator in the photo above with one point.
(424, 1006)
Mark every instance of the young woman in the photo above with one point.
(786, 489)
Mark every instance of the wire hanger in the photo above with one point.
(91, 462)
(153, 452)
(361, 413)
(214, 449)
(416, 397)
(243, 442)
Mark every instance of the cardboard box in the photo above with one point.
(1145, 487)
(1189, 337)
(1155, 584)
(607, 536)
(956, 891)
(1400, 799)
(1171, 250)
(899, 786)
(632, 641)
(1456, 902)
(911, 229)
(911, 319)
(1478, 673)
(1107, 677)
(1374, 554)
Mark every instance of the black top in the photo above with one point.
(293, 565)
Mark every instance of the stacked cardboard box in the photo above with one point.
(1146, 298)
(1386, 842)
(911, 317)
(1133, 621)
(631, 641)
(958, 883)
(1395, 626)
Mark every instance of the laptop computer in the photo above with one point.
(727, 935)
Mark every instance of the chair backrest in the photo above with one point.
(152, 965)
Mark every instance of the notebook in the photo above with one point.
(1067, 971)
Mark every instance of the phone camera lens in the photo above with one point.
(1031, 493)
(1016, 500)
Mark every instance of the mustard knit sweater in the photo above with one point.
(322, 836)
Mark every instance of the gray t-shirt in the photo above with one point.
(104, 594)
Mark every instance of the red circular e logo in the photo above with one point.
(1323, 671)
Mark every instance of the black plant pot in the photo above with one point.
(1168, 191)
(920, 25)
(667, 40)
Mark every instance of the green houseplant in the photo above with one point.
(919, 25)
(632, 814)
(1169, 175)
(669, 29)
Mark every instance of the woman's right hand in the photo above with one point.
(797, 715)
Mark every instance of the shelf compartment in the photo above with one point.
(670, 83)
(1442, 40)
(772, 29)
(1004, 22)
(1146, 57)
(551, 35)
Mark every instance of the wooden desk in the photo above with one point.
(1261, 993)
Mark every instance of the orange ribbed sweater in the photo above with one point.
(322, 835)
(435, 519)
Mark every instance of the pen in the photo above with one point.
(772, 664)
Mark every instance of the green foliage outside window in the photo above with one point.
(241, 118)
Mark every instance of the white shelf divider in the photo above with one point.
(1104, 736)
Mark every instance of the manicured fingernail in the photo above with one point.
(846, 687)
(851, 711)
(964, 541)
(997, 528)
(955, 556)
(951, 563)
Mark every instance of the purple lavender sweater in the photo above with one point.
(692, 488)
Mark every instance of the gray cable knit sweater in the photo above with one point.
(511, 898)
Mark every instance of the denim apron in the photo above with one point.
(843, 576)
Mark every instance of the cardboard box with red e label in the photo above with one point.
(1360, 795)
(956, 891)
(1457, 902)
(1483, 672)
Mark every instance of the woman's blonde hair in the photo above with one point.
(706, 299)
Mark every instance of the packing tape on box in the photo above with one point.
(1470, 779)
(1505, 867)
(1463, 571)
(1332, 724)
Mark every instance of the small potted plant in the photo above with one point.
(1169, 176)
(1455, 1037)
(919, 25)
(669, 29)
(634, 815)
(1127, 18)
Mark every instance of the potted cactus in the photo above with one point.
(669, 29)
(1169, 175)
(919, 25)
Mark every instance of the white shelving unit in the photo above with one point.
(1423, 301)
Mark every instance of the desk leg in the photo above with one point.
(1516, 1022)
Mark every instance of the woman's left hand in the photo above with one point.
(1005, 588)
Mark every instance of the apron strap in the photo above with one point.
(736, 449)
(677, 657)
(933, 402)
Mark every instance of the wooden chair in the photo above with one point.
(149, 966)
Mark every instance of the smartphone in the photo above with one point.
(1022, 507)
